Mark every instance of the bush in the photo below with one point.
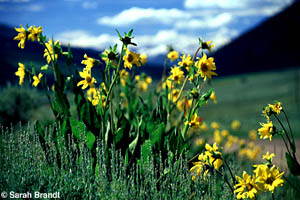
(18, 104)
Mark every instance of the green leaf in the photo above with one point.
(70, 56)
(132, 145)
(119, 34)
(78, 128)
(293, 165)
(107, 133)
(90, 140)
(146, 149)
(156, 136)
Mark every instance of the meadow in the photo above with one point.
(189, 135)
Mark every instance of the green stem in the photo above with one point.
(273, 198)
(115, 77)
(184, 82)
(226, 180)
(165, 69)
(287, 119)
(231, 174)
(286, 144)
(285, 131)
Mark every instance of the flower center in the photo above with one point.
(130, 58)
(249, 187)
(176, 78)
(204, 67)
(270, 180)
(88, 79)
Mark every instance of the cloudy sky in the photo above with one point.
(156, 23)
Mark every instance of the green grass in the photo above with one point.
(24, 169)
(243, 97)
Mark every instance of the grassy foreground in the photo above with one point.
(24, 169)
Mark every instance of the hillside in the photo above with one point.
(274, 44)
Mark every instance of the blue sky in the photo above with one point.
(156, 23)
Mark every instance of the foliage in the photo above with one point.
(24, 168)
(135, 140)
(18, 104)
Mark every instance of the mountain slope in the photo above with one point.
(274, 44)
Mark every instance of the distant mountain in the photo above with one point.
(274, 44)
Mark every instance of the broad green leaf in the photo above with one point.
(133, 144)
(107, 133)
(156, 136)
(78, 128)
(293, 165)
(90, 140)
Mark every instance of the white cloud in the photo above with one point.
(150, 44)
(90, 5)
(34, 8)
(81, 38)
(135, 14)
(194, 4)
(235, 4)
(206, 22)
(222, 36)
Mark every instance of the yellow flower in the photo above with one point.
(217, 137)
(88, 62)
(266, 130)
(215, 125)
(242, 142)
(143, 83)
(230, 141)
(225, 133)
(109, 56)
(130, 59)
(20, 73)
(88, 79)
(246, 187)
(173, 95)
(176, 75)
(211, 148)
(37, 79)
(21, 36)
(253, 153)
(93, 96)
(276, 108)
(34, 33)
(181, 103)
(123, 76)
(143, 58)
(252, 135)
(206, 45)
(235, 125)
(195, 121)
(167, 83)
(213, 156)
(48, 52)
(199, 168)
(173, 55)
(203, 126)
(186, 61)
(268, 156)
(199, 142)
(268, 178)
(205, 67)
(213, 97)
